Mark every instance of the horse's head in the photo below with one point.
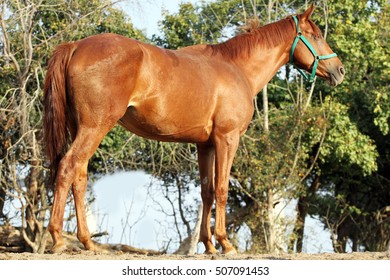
(311, 52)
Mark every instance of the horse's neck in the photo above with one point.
(263, 64)
(262, 52)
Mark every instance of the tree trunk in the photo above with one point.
(2, 200)
(302, 208)
(270, 223)
(34, 233)
(189, 245)
(298, 232)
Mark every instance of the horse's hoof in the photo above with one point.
(89, 246)
(57, 249)
(211, 251)
(229, 251)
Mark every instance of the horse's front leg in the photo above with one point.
(225, 146)
(206, 160)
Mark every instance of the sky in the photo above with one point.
(127, 192)
(145, 14)
(122, 202)
(125, 195)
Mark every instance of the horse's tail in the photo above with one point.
(55, 124)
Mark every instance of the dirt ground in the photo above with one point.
(84, 255)
(11, 238)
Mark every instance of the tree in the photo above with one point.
(354, 188)
(29, 32)
(260, 175)
(326, 148)
(314, 137)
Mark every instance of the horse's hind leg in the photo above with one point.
(72, 171)
(79, 187)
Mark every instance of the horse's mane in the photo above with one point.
(317, 34)
(267, 36)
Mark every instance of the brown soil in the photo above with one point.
(84, 255)
(10, 239)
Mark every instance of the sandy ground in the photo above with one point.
(85, 255)
(125, 252)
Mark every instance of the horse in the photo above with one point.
(94, 83)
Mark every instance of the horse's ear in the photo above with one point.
(307, 14)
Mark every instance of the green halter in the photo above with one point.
(317, 57)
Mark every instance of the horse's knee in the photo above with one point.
(221, 196)
(207, 194)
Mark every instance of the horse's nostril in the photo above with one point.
(341, 70)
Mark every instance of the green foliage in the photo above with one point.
(355, 163)
(181, 30)
(345, 143)
(51, 24)
(30, 30)
(341, 139)
(359, 39)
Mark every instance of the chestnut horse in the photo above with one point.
(201, 94)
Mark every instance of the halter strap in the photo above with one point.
(317, 57)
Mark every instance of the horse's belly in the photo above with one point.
(163, 128)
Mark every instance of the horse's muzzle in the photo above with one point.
(336, 76)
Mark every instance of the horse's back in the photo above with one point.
(105, 52)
